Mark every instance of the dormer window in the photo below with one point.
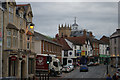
(21, 14)
(10, 9)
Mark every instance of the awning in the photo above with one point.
(102, 55)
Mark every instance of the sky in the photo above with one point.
(99, 17)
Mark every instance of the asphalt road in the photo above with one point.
(94, 72)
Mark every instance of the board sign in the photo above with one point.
(41, 62)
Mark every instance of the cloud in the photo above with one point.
(99, 17)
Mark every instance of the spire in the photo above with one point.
(75, 21)
(59, 25)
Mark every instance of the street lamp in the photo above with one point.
(31, 26)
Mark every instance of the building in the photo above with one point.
(1, 26)
(45, 45)
(95, 49)
(64, 31)
(67, 51)
(18, 58)
(73, 48)
(115, 48)
(73, 31)
(104, 48)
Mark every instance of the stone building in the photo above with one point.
(115, 48)
(18, 51)
(64, 31)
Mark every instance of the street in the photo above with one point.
(94, 72)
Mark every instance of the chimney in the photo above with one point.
(84, 33)
(118, 31)
(90, 34)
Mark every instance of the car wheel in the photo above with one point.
(55, 74)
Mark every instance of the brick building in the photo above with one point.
(45, 45)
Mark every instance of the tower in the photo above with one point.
(75, 25)
(64, 31)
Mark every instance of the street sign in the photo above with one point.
(83, 53)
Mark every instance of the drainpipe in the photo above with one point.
(1, 42)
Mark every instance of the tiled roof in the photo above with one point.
(39, 37)
(77, 40)
(105, 39)
(64, 44)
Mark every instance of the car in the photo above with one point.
(83, 68)
(96, 63)
(66, 68)
(118, 72)
(71, 67)
(90, 64)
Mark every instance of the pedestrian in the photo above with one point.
(115, 77)
(108, 77)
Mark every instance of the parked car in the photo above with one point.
(83, 68)
(118, 72)
(96, 63)
(71, 67)
(9, 78)
(66, 68)
(90, 64)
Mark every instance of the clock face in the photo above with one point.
(70, 53)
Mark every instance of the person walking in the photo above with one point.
(108, 77)
(115, 77)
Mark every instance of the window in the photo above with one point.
(11, 14)
(15, 38)
(8, 32)
(21, 40)
(65, 53)
(75, 53)
(8, 41)
(31, 66)
(21, 14)
(29, 19)
(10, 9)
(115, 51)
(21, 22)
(28, 45)
(28, 38)
(75, 46)
(115, 41)
(8, 38)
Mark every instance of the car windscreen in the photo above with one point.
(69, 61)
(118, 69)
(55, 64)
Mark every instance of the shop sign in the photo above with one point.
(83, 53)
(13, 58)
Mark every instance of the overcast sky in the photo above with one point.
(98, 17)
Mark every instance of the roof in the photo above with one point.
(116, 34)
(75, 24)
(64, 44)
(25, 6)
(105, 40)
(11, 26)
(77, 40)
(39, 37)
